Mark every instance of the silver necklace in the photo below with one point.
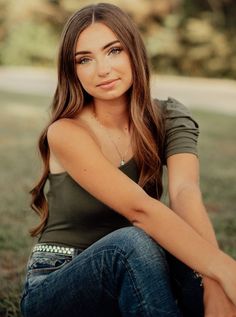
(122, 157)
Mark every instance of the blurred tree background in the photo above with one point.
(186, 37)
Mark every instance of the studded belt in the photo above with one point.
(53, 248)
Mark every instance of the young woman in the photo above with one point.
(107, 246)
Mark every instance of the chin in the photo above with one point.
(110, 95)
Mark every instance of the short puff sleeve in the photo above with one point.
(181, 129)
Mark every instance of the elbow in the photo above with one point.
(142, 211)
(187, 189)
(142, 215)
(189, 193)
(138, 218)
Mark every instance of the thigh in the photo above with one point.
(124, 271)
(59, 285)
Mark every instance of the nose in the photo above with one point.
(103, 67)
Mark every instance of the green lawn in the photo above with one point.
(23, 117)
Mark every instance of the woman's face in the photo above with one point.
(102, 64)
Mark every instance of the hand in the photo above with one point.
(226, 275)
(216, 303)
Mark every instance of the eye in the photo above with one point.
(115, 50)
(82, 60)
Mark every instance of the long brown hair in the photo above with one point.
(70, 97)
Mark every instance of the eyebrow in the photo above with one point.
(104, 47)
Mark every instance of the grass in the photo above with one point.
(23, 117)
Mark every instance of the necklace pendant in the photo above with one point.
(122, 162)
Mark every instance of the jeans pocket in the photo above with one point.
(41, 264)
(46, 262)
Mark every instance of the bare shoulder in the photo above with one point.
(61, 126)
(63, 132)
(68, 128)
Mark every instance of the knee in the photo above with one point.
(133, 240)
(131, 248)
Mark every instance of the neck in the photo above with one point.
(112, 114)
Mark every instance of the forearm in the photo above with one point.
(179, 238)
(189, 206)
(186, 202)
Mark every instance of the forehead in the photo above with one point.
(95, 36)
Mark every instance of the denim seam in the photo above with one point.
(129, 270)
(132, 277)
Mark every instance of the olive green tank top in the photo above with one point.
(78, 219)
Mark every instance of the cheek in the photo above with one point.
(85, 78)
(125, 66)
(128, 72)
(84, 75)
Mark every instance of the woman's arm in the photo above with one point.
(83, 160)
(186, 200)
(185, 195)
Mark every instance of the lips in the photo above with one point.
(107, 82)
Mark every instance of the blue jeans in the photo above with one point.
(126, 273)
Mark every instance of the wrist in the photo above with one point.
(218, 268)
(208, 281)
(209, 284)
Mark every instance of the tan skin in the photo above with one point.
(77, 158)
(184, 191)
